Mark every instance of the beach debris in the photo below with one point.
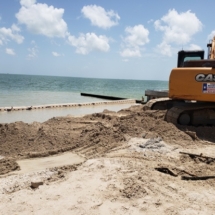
(205, 159)
(192, 177)
(173, 171)
(197, 177)
(9, 109)
(185, 175)
(153, 143)
(36, 184)
(166, 171)
(29, 108)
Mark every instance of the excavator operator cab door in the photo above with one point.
(184, 56)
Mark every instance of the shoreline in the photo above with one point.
(18, 108)
(46, 112)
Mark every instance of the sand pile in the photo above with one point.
(93, 135)
(103, 130)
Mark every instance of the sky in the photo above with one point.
(113, 39)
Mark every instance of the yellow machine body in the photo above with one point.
(192, 80)
(197, 83)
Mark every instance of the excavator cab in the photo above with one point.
(184, 56)
(194, 78)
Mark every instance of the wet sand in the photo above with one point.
(39, 164)
(41, 115)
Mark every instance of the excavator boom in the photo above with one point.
(211, 49)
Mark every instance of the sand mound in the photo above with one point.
(93, 134)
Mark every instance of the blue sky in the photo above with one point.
(101, 39)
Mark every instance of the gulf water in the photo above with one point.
(29, 90)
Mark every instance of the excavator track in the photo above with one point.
(157, 104)
(192, 114)
(184, 113)
(162, 104)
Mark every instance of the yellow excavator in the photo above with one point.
(191, 95)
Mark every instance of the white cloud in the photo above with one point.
(137, 37)
(150, 21)
(33, 51)
(7, 34)
(165, 49)
(194, 47)
(89, 42)
(130, 53)
(55, 54)
(10, 51)
(42, 19)
(211, 35)
(177, 28)
(27, 3)
(15, 28)
(100, 17)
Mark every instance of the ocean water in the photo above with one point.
(27, 90)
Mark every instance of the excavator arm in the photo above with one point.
(211, 49)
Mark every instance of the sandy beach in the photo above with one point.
(125, 162)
